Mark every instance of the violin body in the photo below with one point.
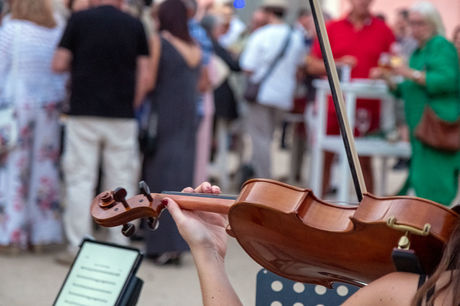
(290, 232)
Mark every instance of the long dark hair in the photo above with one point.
(172, 17)
(450, 263)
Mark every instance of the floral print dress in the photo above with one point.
(29, 174)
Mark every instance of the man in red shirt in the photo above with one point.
(357, 41)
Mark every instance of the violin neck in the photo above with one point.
(201, 201)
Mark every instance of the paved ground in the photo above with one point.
(31, 279)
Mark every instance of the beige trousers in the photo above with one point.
(89, 141)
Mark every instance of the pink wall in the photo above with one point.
(449, 9)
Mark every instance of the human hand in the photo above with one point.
(402, 70)
(201, 230)
(404, 132)
(347, 60)
(377, 73)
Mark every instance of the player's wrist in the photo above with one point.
(416, 75)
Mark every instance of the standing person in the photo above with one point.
(401, 29)
(357, 41)
(5, 12)
(403, 47)
(234, 25)
(78, 5)
(176, 65)
(225, 103)
(276, 92)
(29, 177)
(205, 103)
(431, 79)
(456, 39)
(306, 26)
(109, 79)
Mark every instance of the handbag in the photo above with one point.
(218, 71)
(252, 88)
(252, 91)
(438, 133)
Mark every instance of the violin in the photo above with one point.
(292, 233)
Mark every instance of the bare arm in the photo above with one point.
(206, 236)
(396, 288)
(216, 288)
(143, 79)
(315, 66)
(204, 81)
(155, 47)
(62, 60)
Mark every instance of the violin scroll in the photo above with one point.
(111, 208)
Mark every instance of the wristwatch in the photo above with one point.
(416, 75)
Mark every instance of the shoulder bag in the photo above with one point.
(252, 88)
(437, 133)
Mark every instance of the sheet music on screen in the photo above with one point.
(98, 275)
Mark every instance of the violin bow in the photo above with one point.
(337, 97)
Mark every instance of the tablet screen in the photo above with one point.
(98, 275)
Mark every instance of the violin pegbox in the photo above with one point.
(111, 208)
(151, 221)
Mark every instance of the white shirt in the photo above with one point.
(263, 46)
(234, 32)
(26, 51)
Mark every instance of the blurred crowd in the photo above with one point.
(111, 92)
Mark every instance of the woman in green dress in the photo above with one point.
(432, 78)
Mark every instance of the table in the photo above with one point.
(365, 146)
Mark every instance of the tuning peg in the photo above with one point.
(145, 190)
(119, 195)
(128, 229)
(153, 223)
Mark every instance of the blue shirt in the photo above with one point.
(199, 34)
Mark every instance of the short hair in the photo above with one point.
(404, 13)
(275, 10)
(37, 11)
(431, 14)
(191, 5)
(209, 22)
(303, 12)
